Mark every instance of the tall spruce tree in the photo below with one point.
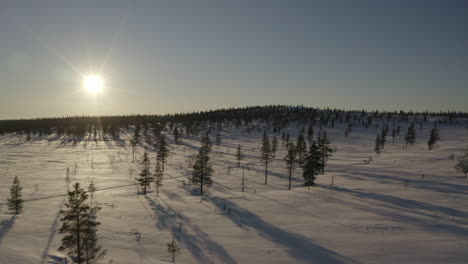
(80, 228)
(433, 138)
(313, 165)
(158, 176)
(15, 203)
(202, 168)
(291, 160)
(325, 150)
(146, 178)
(266, 155)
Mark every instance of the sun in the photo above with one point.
(93, 83)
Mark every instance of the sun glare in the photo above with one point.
(93, 83)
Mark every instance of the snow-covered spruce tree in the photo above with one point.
(312, 165)
(291, 160)
(202, 168)
(410, 137)
(80, 227)
(239, 155)
(301, 148)
(378, 146)
(163, 150)
(433, 138)
(325, 150)
(274, 146)
(91, 190)
(266, 155)
(15, 203)
(158, 176)
(146, 178)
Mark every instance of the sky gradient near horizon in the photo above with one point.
(179, 56)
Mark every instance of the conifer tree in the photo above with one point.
(266, 155)
(313, 165)
(176, 135)
(325, 150)
(15, 203)
(163, 150)
(378, 148)
(383, 138)
(291, 160)
(145, 175)
(80, 228)
(301, 149)
(202, 168)
(173, 248)
(433, 138)
(393, 134)
(274, 146)
(239, 155)
(310, 133)
(159, 175)
(135, 141)
(410, 137)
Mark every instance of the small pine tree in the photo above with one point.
(433, 138)
(202, 168)
(378, 148)
(291, 160)
(80, 226)
(159, 175)
(173, 248)
(15, 203)
(323, 144)
(145, 175)
(383, 137)
(410, 137)
(462, 164)
(266, 155)
(313, 165)
(239, 155)
(91, 190)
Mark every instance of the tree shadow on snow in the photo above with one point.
(300, 247)
(5, 226)
(197, 242)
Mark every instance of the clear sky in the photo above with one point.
(178, 56)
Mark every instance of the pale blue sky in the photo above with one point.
(178, 56)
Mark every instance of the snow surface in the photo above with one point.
(367, 216)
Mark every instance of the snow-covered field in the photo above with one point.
(367, 216)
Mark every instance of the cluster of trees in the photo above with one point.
(279, 116)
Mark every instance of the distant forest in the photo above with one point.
(277, 116)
